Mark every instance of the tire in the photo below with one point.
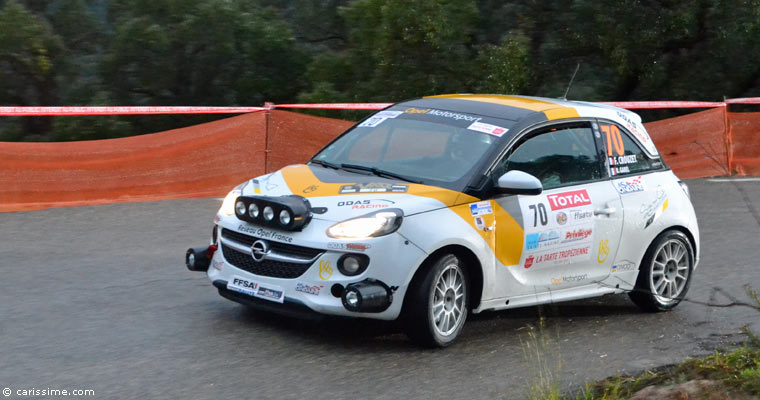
(437, 303)
(661, 284)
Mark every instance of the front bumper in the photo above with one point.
(393, 261)
(290, 307)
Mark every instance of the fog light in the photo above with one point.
(268, 213)
(253, 210)
(351, 264)
(240, 208)
(284, 217)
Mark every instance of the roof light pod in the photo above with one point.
(290, 213)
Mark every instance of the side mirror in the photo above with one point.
(518, 182)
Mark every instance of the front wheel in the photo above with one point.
(665, 273)
(437, 304)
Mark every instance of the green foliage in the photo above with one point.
(201, 52)
(505, 68)
(245, 52)
(400, 49)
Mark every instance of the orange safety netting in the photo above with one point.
(198, 161)
(693, 145)
(744, 142)
(209, 159)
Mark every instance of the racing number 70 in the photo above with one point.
(613, 137)
(539, 212)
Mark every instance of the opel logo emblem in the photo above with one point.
(259, 250)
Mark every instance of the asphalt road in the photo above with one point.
(98, 298)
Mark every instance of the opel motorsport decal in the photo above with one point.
(559, 228)
(477, 123)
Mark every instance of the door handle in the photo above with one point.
(605, 211)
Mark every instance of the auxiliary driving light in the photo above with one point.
(352, 298)
(369, 295)
(253, 210)
(284, 217)
(268, 213)
(199, 258)
(240, 208)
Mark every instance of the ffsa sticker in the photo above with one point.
(559, 228)
(256, 289)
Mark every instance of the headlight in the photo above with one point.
(378, 223)
(228, 205)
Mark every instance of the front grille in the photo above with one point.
(274, 269)
(281, 248)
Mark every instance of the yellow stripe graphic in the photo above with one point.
(551, 110)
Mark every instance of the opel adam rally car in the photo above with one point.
(441, 206)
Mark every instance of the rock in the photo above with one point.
(691, 390)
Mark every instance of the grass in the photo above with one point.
(734, 373)
(542, 353)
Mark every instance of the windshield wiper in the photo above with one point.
(379, 172)
(325, 164)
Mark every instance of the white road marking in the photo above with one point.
(733, 179)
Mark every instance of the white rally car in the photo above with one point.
(445, 205)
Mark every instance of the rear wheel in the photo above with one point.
(438, 303)
(665, 273)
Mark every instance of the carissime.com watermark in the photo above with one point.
(34, 392)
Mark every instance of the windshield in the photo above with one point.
(431, 146)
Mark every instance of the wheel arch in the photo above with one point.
(470, 262)
(688, 234)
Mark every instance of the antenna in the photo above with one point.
(577, 67)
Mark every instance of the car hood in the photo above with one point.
(336, 195)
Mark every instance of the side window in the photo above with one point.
(557, 156)
(624, 156)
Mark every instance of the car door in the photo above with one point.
(571, 231)
(643, 188)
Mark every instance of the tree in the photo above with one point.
(29, 55)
